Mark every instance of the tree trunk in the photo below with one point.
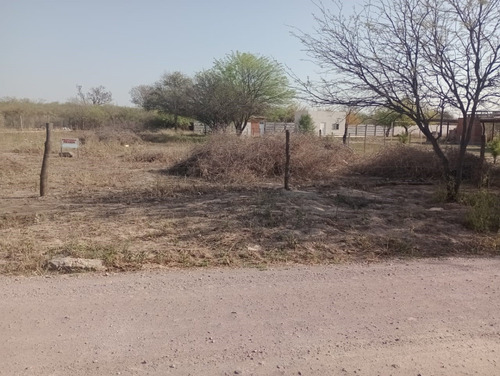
(240, 126)
(464, 141)
(482, 155)
(452, 184)
(346, 132)
(388, 130)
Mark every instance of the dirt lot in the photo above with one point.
(378, 311)
(116, 203)
(421, 317)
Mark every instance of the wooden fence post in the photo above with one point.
(45, 162)
(287, 160)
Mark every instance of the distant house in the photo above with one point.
(326, 123)
(489, 120)
(258, 126)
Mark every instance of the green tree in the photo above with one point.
(213, 101)
(283, 114)
(169, 95)
(257, 84)
(390, 119)
(306, 124)
(413, 57)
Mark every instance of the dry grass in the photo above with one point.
(117, 204)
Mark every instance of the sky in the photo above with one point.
(48, 47)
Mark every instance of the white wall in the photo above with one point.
(331, 123)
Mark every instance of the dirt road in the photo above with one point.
(431, 317)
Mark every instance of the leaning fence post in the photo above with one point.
(45, 162)
(287, 160)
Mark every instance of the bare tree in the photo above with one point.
(413, 57)
(96, 95)
(139, 94)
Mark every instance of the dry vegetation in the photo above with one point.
(138, 200)
(227, 159)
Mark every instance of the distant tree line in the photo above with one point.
(24, 114)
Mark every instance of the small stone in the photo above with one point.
(436, 209)
(254, 248)
(72, 264)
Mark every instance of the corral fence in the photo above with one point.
(252, 129)
(372, 130)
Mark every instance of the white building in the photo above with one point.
(326, 123)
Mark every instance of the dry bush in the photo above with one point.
(146, 156)
(117, 135)
(166, 155)
(172, 137)
(494, 176)
(406, 162)
(231, 159)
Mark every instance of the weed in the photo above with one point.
(399, 247)
(21, 257)
(484, 211)
(112, 254)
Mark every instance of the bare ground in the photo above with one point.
(133, 215)
(427, 317)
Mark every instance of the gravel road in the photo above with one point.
(424, 317)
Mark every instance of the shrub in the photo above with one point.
(404, 138)
(231, 159)
(484, 212)
(118, 135)
(306, 124)
(407, 162)
(494, 146)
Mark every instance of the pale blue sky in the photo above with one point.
(50, 46)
